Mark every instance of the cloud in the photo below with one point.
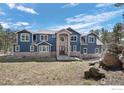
(85, 23)
(2, 13)
(70, 5)
(21, 23)
(75, 26)
(103, 5)
(16, 25)
(5, 24)
(98, 18)
(22, 8)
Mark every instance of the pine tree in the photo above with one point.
(117, 32)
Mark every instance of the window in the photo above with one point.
(73, 38)
(84, 39)
(84, 50)
(25, 37)
(74, 48)
(44, 48)
(97, 50)
(91, 39)
(31, 48)
(17, 48)
(44, 37)
(53, 36)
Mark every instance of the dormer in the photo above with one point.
(24, 36)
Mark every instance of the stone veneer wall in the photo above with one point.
(75, 53)
(34, 54)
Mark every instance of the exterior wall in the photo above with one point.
(91, 46)
(75, 53)
(24, 46)
(78, 40)
(51, 40)
(32, 54)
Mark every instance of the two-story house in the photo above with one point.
(66, 42)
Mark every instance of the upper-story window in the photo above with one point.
(84, 40)
(73, 38)
(25, 37)
(44, 37)
(91, 39)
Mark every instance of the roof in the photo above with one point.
(43, 43)
(24, 31)
(70, 29)
(45, 32)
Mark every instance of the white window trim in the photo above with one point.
(74, 48)
(43, 36)
(16, 48)
(31, 48)
(86, 50)
(25, 34)
(91, 36)
(98, 50)
(85, 41)
(46, 46)
(73, 36)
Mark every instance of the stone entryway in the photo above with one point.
(63, 43)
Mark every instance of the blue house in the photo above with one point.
(67, 42)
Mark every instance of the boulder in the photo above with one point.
(110, 57)
(93, 73)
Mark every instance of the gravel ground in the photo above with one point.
(53, 73)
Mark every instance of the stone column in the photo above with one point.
(68, 44)
(57, 45)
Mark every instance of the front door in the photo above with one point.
(62, 50)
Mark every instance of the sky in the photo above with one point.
(82, 17)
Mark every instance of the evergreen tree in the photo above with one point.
(117, 32)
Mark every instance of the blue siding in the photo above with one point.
(51, 40)
(91, 46)
(24, 46)
(78, 40)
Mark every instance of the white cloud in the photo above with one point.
(70, 5)
(75, 26)
(11, 5)
(5, 24)
(85, 23)
(22, 8)
(103, 5)
(98, 18)
(16, 25)
(21, 23)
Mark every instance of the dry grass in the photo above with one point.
(51, 73)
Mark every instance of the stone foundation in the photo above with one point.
(90, 56)
(34, 54)
(75, 54)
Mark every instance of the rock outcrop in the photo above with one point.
(113, 56)
(93, 73)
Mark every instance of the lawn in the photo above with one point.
(52, 73)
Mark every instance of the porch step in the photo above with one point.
(67, 58)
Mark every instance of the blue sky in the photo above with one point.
(55, 16)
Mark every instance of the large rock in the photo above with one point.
(110, 57)
(93, 73)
